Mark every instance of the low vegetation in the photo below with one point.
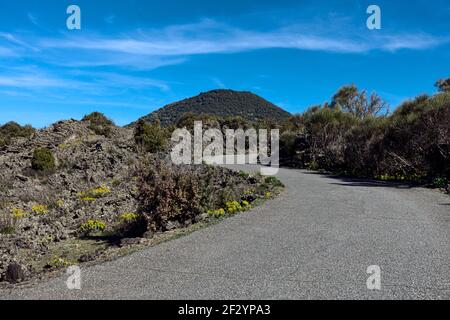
(12, 130)
(43, 160)
(91, 227)
(175, 196)
(354, 135)
(99, 123)
(150, 137)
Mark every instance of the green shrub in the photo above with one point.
(273, 181)
(244, 174)
(99, 123)
(217, 213)
(12, 130)
(151, 137)
(131, 225)
(412, 144)
(246, 205)
(233, 207)
(58, 263)
(40, 209)
(43, 160)
(3, 141)
(441, 183)
(443, 85)
(7, 223)
(95, 193)
(92, 226)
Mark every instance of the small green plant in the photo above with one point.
(233, 207)
(217, 213)
(100, 191)
(243, 174)
(43, 160)
(93, 194)
(130, 225)
(10, 220)
(40, 209)
(88, 199)
(267, 195)
(313, 165)
(440, 183)
(116, 182)
(92, 226)
(18, 213)
(99, 123)
(249, 192)
(7, 223)
(273, 181)
(128, 217)
(246, 205)
(58, 263)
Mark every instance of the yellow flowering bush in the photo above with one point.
(217, 213)
(18, 213)
(93, 194)
(40, 209)
(233, 207)
(87, 199)
(246, 205)
(58, 263)
(128, 217)
(92, 226)
(100, 191)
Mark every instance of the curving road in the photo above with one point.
(314, 241)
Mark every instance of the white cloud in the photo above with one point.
(92, 83)
(209, 37)
(33, 81)
(147, 49)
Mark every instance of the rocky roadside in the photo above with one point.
(83, 211)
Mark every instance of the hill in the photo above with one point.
(222, 103)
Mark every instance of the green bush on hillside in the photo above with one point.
(12, 130)
(43, 160)
(99, 123)
(151, 137)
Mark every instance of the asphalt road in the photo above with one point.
(313, 242)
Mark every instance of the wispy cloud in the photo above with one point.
(147, 49)
(34, 78)
(209, 37)
(219, 83)
(34, 81)
(34, 20)
(16, 43)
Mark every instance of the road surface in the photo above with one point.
(315, 241)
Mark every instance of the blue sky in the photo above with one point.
(132, 57)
